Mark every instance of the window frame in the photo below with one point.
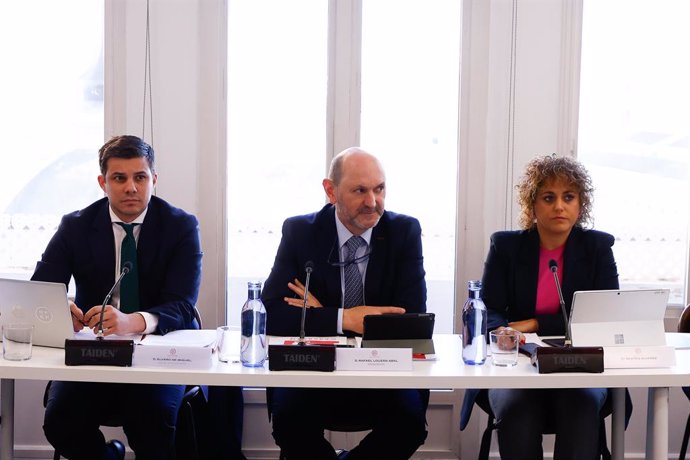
(487, 168)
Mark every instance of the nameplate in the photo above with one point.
(369, 359)
(639, 357)
(301, 358)
(184, 356)
(98, 352)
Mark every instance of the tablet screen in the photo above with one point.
(398, 327)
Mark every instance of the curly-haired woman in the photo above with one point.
(555, 196)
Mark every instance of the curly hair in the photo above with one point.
(542, 169)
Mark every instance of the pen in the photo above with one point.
(80, 321)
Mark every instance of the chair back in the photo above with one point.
(197, 319)
(684, 320)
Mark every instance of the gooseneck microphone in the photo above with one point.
(553, 265)
(112, 352)
(302, 356)
(308, 267)
(126, 267)
(568, 358)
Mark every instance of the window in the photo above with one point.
(410, 84)
(634, 135)
(51, 121)
(280, 116)
(276, 138)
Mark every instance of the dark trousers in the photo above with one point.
(220, 426)
(522, 415)
(147, 413)
(397, 419)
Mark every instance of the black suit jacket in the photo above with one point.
(394, 276)
(509, 283)
(168, 258)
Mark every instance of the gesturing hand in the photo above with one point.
(298, 288)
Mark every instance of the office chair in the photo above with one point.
(186, 429)
(343, 426)
(684, 326)
(482, 400)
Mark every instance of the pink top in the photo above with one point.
(547, 294)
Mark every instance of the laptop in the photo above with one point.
(40, 303)
(618, 317)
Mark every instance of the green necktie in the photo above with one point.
(129, 287)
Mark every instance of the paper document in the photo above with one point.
(88, 334)
(423, 357)
(533, 337)
(182, 338)
(333, 340)
(678, 340)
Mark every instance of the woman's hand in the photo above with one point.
(526, 325)
(298, 288)
(523, 339)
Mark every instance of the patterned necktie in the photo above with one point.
(129, 287)
(354, 290)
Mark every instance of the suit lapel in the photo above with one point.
(102, 245)
(148, 238)
(327, 244)
(527, 270)
(571, 260)
(377, 262)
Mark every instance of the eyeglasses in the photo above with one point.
(337, 263)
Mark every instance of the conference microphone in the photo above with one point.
(308, 267)
(302, 356)
(553, 265)
(567, 358)
(111, 352)
(126, 268)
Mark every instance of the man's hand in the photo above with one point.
(77, 317)
(298, 288)
(114, 321)
(353, 318)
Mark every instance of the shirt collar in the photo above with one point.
(138, 220)
(344, 234)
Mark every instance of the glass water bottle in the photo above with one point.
(253, 348)
(474, 318)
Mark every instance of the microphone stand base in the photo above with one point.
(568, 359)
(301, 358)
(98, 352)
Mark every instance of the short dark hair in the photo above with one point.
(126, 146)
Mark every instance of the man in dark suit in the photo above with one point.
(89, 246)
(366, 262)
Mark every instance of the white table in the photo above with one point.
(447, 372)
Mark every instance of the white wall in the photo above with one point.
(508, 114)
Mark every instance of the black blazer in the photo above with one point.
(394, 276)
(168, 258)
(509, 282)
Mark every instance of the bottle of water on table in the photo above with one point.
(474, 318)
(253, 348)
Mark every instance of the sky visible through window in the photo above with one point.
(634, 135)
(51, 120)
